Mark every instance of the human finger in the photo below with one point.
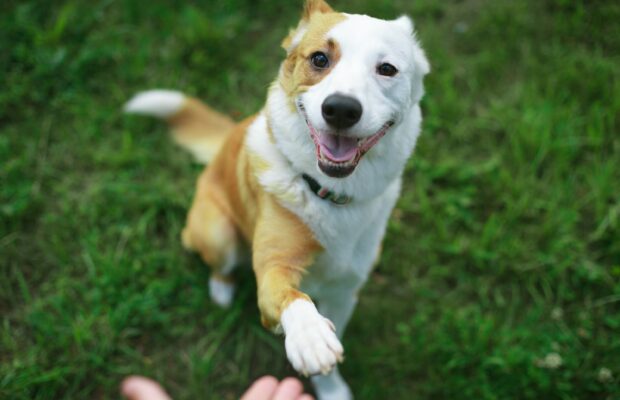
(289, 389)
(141, 388)
(262, 389)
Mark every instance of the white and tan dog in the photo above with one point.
(308, 183)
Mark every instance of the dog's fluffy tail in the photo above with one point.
(195, 126)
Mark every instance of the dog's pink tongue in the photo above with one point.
(338, 148)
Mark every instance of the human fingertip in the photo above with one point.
(262, 388)
(291, 381)
(288, 389)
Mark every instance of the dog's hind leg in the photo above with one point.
(212, 234)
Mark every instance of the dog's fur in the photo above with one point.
(304, 248)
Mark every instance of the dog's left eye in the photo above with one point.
(319, 60)
(386, 69)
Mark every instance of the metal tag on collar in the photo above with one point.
(340, 199)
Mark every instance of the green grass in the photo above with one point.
(504, 248)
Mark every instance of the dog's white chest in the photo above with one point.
(350, 236)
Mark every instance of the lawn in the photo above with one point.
(500, 277)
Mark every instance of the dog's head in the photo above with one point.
(352, 78)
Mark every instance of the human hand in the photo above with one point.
(265, 388)
(268, 388)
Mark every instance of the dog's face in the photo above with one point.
(351, 77)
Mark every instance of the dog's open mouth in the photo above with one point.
(338, 155)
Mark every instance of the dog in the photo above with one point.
(308, 183)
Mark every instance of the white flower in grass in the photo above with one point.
(605, 375)
(551, 361)
(557, 313)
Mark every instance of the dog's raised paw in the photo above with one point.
(311, 343)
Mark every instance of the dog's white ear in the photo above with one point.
(405, 23)
(421, 62)
(421, 68)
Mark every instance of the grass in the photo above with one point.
(503, 253)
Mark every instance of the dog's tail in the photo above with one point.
(195, 126)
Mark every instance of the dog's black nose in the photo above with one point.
(341, 111)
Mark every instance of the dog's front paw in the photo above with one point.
(311, 342)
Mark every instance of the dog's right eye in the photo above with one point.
(319, 60)
(386, 69)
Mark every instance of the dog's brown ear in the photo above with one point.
(311, 7)
(315, 6)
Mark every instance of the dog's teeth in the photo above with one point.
(345, 164)
(330, 163)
